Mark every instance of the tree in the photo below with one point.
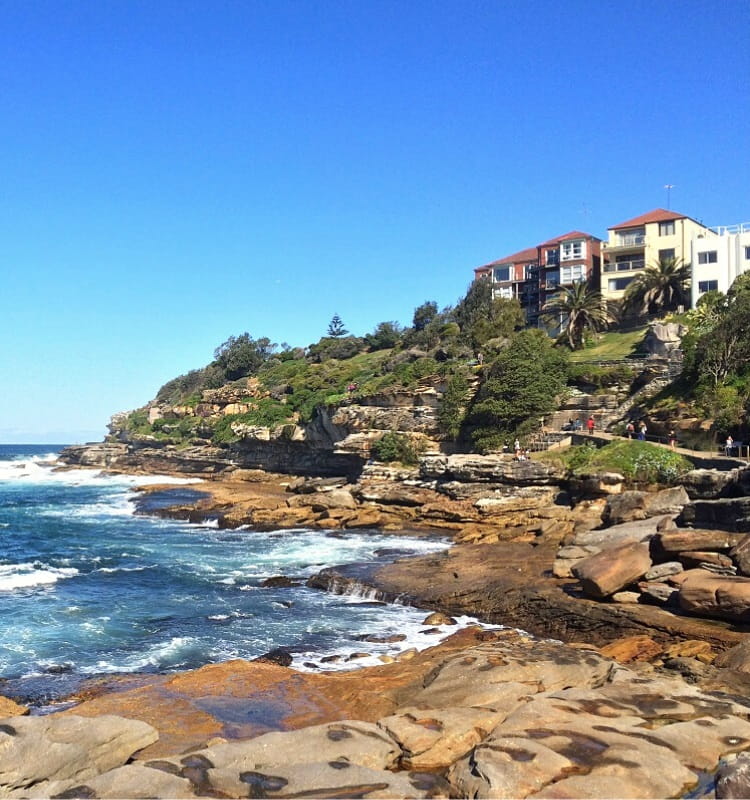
(424, 314)
(482, 317)
(385, 336)
(662, 286)
(336, 327)
(242, 355)
(581, 308)
(522, 385)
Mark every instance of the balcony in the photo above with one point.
(625, 266)
(629, 240)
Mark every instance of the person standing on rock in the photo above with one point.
(591, 425)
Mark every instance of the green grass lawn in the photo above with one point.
(611, 346)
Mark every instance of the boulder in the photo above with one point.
(613, 569)
(632, 505)
(740, 554)
(663, 571)
(625, 507)
(438, 618)
(684, 541)
(716, 596)
(729, 514)
(708, 484)
(663, 338)
(636, 531)
(733, 778)
(632, 648)
(58, 748)
(738, 658)
(9, 708)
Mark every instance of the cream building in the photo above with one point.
(718, 259)
(639, 242)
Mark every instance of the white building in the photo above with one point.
(717, 260)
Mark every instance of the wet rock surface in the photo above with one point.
(492, 714)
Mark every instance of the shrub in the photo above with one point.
(639, 462)
(395, 446)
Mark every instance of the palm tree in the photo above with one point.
(580, 308)
(662, 286)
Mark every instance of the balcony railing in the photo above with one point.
(630, 240)
(625, 266)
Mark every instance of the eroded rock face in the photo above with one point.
(71, 748)
(507, 717)
(492, 468)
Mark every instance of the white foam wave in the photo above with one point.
(46, 470)
(417, 637)
(164, 655)
(111, 570)
(24, 576)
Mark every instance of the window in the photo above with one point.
(747, 254)
(571, 250)
(666, 228)
(666, 255)
(573, 274)
(504, 291)
(618, 284)
(709, 257)
(708, 286)
(552, 279)
(502, 274)
(553, 256)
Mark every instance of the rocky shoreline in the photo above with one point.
(643, 696)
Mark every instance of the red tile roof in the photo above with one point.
(521, 257)
(657, 215)
(565, 237)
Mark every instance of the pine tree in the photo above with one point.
(336, 327)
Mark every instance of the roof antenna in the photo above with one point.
(669, 187)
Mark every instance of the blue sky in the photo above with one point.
(177, 172)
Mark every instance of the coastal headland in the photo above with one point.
(598, 688)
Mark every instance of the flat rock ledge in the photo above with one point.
(508, 717)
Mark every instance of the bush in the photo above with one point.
(639, 462)
(398, 447)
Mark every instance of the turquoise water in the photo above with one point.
(87, 587)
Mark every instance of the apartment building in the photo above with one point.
(639, 242)
(565, 260)
(718, 259)
(515, 276)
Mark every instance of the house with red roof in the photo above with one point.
(515, 276)
(565, 260)
(639, 242)
(534, 275)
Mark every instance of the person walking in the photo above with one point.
(729, 444)
(591, 425)
(672, 438)
(642, 431)
(630, 429)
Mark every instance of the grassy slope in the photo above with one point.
(611, 346)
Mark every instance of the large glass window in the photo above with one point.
(666, 228)
(572, 250)
(667, 254)
(618, 284)
(552, 279)
(573, 273)
(708, 286)
(709, 257)
(502, 274)
(553, 257)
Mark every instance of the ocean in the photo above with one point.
(88, 587)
